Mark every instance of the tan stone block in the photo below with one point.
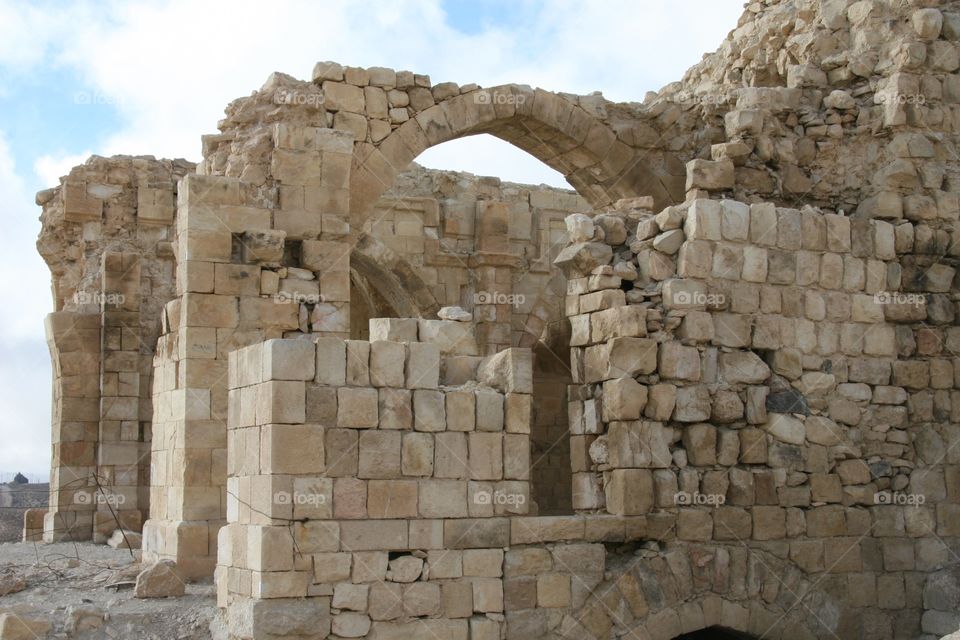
(490, 410)
(451, 455)
(380, 454)
(396, 408)
(769, 523)
(694, 524)
(487, 595)
(357, 408)
(387, 362)
(331, 567)
(516, 456)
(429, 410)
(518, 412)
(342, 453)
(458, 599)
(553, 590)
(460, 410)
(392, 498)
(423, 366)
(358, 362)
(331, 361)
(386, 601)
(485, 456)
(417, 454)
(353, 597)
(629, 492)
(281, 402)
(421, 599)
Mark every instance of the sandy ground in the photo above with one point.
(68, 585)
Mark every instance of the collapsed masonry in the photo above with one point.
(755, 424)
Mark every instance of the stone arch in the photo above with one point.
(553, 128)
(392, 278)
(688, 587)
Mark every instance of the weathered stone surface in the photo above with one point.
(160, 580)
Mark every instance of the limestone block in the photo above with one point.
(429, 413)
(394, 329)
(417, 454)
(709, 174)
(490, 411)
(623, 321)
(396, 408)
(332, 567)
(485, 456)
(509, 371)
(452, 338)
(679, 362)
(623, 399)
(288, 360)
(421, 599)
(620, 357)
(579, 227)
(692, 404)
(386, 601)
(487, 595)
(700, 442)
(291, 448)
(392, 498)
(331, 361)
(387, 362)
(638, 444)
(581, 258)
(353, 597)
(358, 362)
(786, 428)
(518, 410)
(661, 400)
(703, 221)
(423, 366)
(460, 410)
(342, 452)
(380, 454)
(281, 402)
(357, 408)
(629, 492)
(451, 454)
(743, 367)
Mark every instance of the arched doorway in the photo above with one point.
(715, 633)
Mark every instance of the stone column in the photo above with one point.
(74, 343)
(494, 267)
(245, 273)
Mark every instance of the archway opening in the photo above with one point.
(715, 633)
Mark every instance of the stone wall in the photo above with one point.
(107, 238)
(766, 374)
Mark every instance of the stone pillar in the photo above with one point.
(119, 451)
(245, 273)
(494, 267)
(74, 343)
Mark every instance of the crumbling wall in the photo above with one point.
(107, 237)
(767, 374)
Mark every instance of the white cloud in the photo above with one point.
(24, 301)
(170, 67)
(50, 168)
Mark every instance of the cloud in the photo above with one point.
(168, 68)
(51, 167)
(24, 359)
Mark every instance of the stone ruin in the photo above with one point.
(718, 387)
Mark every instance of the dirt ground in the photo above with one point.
(85, 591)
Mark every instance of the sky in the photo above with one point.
(133, 77)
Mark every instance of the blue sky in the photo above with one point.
(152, 77)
